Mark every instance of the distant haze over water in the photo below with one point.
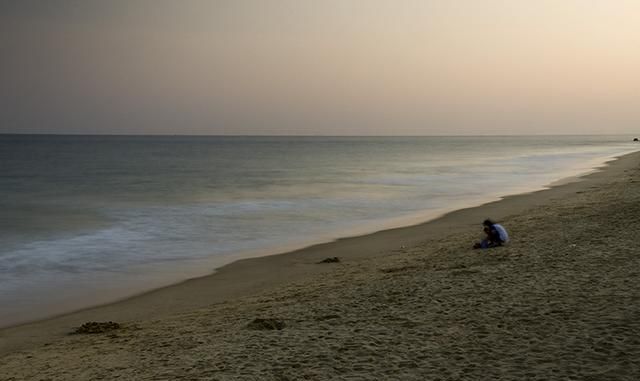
(89, 219)
(324, 67)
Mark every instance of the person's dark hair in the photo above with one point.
(488, 222)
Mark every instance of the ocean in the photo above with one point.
(90, 219)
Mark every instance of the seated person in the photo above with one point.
(496, 235)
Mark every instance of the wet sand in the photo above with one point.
(560, 302)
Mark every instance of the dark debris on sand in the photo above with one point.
(96, 327)
(330, 260)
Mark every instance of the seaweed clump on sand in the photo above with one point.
(93, 327)
(330, 260)
(266, 324)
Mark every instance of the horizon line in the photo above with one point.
(299, 135)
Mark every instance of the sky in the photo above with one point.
(323, 67)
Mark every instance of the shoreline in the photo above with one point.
(158, 276)
(142, 262)
(255, 275)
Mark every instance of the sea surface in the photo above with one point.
(90, 219)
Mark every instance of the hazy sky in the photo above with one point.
(324, 67)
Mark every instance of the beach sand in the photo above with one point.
(561, 301)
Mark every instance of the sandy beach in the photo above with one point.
(561, 301)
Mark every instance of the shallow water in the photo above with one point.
(86, 220)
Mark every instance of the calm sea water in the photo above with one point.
(86, 220)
